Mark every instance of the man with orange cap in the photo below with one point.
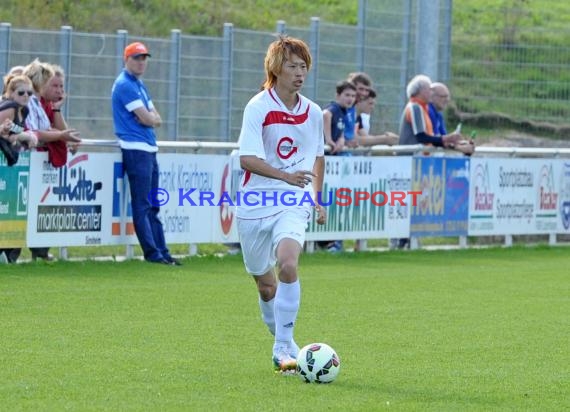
(134, 119)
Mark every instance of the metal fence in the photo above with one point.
(512, 58)
(201, 84)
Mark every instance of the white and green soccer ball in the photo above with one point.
(318, 363)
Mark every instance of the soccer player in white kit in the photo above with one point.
(282, 154)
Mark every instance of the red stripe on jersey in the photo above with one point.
(277, 117)
(246, 177)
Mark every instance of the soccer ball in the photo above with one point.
(318, 362)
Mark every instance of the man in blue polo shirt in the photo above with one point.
(134, 118)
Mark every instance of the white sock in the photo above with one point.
(287, 300)
(268, 313)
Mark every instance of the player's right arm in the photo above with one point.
(260, 167)
(252, 152)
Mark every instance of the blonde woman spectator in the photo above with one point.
(38, 121)
(52, 100)
(14, 110)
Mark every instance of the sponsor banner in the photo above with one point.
(225, 227)
(365, 197)
(518, 196)
(14, 182)
(562, 175)
(547, 195)
(87, 202)
(196, 211)
(442, 209)
(71, 205)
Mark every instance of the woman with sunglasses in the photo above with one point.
(13, 113)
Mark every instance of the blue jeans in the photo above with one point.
(142, 170)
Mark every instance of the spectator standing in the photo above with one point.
(281, 151)
(135, 119)
(334, 128)
(334, 116)
(37, 121)
(415, 123)
(52, 100)
(363, 83)
(416, 126)
(13, 112)
(40, 74)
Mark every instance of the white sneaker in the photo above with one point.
(283, 361)
(293, 349)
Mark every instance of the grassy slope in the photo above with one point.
(152, 18)
(514, 52)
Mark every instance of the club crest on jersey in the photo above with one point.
(285, 148)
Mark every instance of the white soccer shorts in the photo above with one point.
(259, 237)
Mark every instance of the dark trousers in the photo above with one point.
(142, 171)
(12, 255)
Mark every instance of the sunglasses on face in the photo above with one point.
(23, 92)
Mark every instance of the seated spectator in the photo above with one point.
(364, 108)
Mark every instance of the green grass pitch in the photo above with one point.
(464, 330)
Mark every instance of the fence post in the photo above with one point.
(281, 26)
(227, 67)
(314, 46)
(121, 43)
(445, 58)
(552, 239)
(404, 69)
(5, 33)
(65, 63)
(173, 86)
(122, 36)
(65, 60)
(427, 38)
(361, 35)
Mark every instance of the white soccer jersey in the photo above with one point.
(289, 140)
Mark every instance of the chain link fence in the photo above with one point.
(201, 84)
(510, 62)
